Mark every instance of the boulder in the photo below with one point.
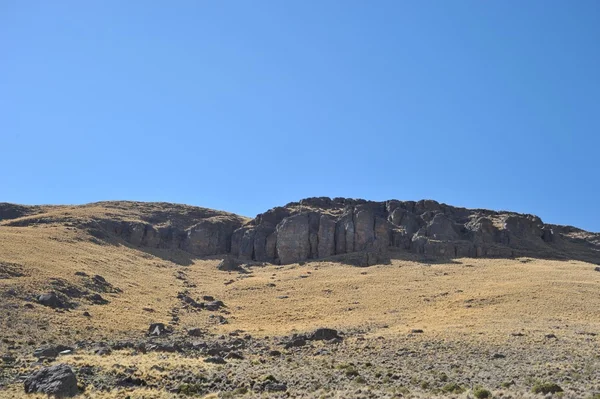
(58, 381)
(323, 334)
(230, 264)
(195, 332)
(51, 300)
(214, 305)
(158, 329)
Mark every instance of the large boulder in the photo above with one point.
(58, 381)
(52, 300)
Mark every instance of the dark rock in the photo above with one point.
(295, 343)
(323, 334)
(275, 387)
(52, 300)
(597, 268)
(102, 351)
(208, 298)
(158, 329)
(97, 299)
(188, 301)
(416, 331)
(498, 356)
(234, 355)
(214, 305)
(58, 380)
(131, 381)
(50, 352)
(293, 239)
(195, 332)
(230, 264)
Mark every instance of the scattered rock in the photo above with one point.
(195, 332)
(158, 329)
(214, 305)
(230, 264)
(234, 355)
(131, 381)
(97, 299)
(102, 351)
(59, 381)
(275, 387)
(50, 352)
(51, 300)
(323, 334)
(295, 343)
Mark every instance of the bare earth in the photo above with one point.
(446, 328)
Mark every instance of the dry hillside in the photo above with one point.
(413, 325)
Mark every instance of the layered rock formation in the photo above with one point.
(317, 228)
(320, 228)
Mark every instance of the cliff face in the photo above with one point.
(318, 228)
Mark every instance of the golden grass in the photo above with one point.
(465, 296)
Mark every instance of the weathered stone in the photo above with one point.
(158, 329)
(58, 381)
(293, 239)
(326, 236)
(51, 300)
(323, 334)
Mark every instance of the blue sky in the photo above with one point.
(245, 105)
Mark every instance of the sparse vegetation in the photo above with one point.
(546, 388)
(481, 393)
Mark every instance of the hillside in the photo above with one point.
(453, 296)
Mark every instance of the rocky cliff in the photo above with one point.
(320, 228)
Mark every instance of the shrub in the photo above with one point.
(351, 372)
(546, 388)
(481, 393)
(453, 387)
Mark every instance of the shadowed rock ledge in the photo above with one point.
(320, 228)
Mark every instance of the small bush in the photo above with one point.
(351, 372)
(453, 387)
(481, 393)
(546, 388)
(190, 389)
(360, 380)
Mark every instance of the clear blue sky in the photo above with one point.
(245, 105)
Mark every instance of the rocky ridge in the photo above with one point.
(353, 230)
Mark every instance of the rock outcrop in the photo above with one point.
(318, 228)
(350, 230)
